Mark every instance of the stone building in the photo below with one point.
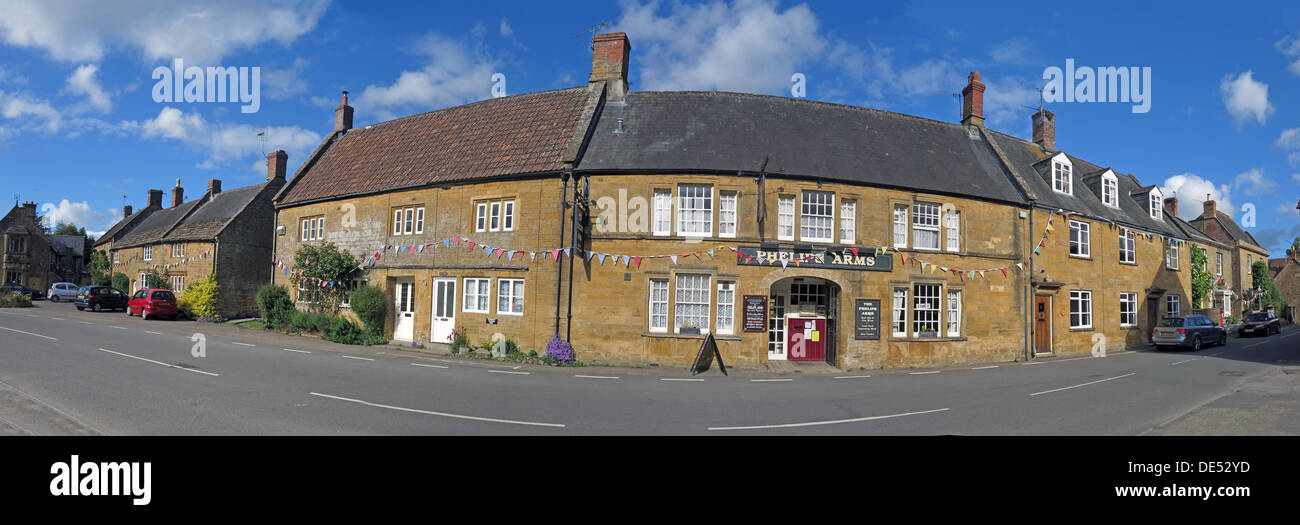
(1231, 264)
(27, 257)
(1286, 277)
(788, 229)
(70, 259)
(223, 232)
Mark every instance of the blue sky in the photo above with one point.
(79, 126)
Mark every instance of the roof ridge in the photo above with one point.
(465, 105)
(804, 101)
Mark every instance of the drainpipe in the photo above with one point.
(579, 196)
(1030, 303)
(559, 268)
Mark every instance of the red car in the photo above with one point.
(152, 301)
(1260, 323)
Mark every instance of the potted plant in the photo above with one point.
(689, 329)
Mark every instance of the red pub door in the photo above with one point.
(806, 339)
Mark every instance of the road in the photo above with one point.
(63, 371)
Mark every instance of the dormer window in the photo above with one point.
(1156, 205)
(1109, 190)
(1061, 174)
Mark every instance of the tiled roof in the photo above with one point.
(155, 226)
(122, 226)
(515, 135)
(210, 218)
(1275, 266)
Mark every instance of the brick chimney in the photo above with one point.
(126, 211)
(155, 198)
(972, 101)
(1045, 129)
(178, 194)
(1171, 206)
(214, 186)
(609, 60)
(28, 209)
(275, 164)
(343, 115)
(1208, 208)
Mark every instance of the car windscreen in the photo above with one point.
(161, 295)
(1257, 317)
(1171, 322)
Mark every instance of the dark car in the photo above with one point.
(153, 301)
(1260, 323)
(1192, 331)
(22, 290)
(99, 298)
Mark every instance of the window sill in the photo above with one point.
(667, 335)
(1128, 327)
(1081, 329)
(905, 339)
(1134, 263)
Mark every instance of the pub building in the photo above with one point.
(787, 229)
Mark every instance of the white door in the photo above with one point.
(404, 327)
(444, 310)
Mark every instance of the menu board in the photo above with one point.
(866, 319)
(755, 313)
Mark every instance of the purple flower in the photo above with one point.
(560, 351)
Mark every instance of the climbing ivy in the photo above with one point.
(1202, 281)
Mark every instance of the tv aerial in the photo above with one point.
(956, 95)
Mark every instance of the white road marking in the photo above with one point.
(1256, 344)
(678, 379)
(58, 319)
(298, 351)
(1214, 354)
(769, 380)
(154, 333)
(119, 327)
(509, 372)
(443, 414)
(923, 373)
(28, 333)
(429, 366)
(984, 367)
(85, 322)
(358, 358)
(1184, 361)
(851, 377)
(168, 365)
(1084, 384)
(595, 377)
(1027, 363)
(832, 422)
(240, 344)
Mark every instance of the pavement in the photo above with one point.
(64, 371)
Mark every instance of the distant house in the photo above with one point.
(27, 257)
(1230, 267)
(226, 233)
(1286, 276)
(70, 259)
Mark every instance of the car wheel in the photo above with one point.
(1196, 343)
(144, 314)
(95, 307)
(128, 311)
(79, 308)
(54, 298)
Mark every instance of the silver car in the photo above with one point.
(1193, 331)
(61, 291)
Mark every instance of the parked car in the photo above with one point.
(99, 298)
(61, 291)
(153, 301)
(22, 290)
(1192, 331)
(1260, 323)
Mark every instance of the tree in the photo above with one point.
(1263, 281)
(156, 279)
(97, 265)
(1295, 247)
(121, 282)
(323, 263)
(64, 228)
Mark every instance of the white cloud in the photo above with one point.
(287, 82)
(506, 30)
(1004, 101)
(1289, 46)
(1246, 98)
(223, 142)
(454, 75)
(30, 113)
(1012, 51)
(83, 82)
(1295, 177)
(197, 31)
(1289, 139)
(1191, 190)
(747, 46)
(1253, 182)
(1294, 159)
(79, 214)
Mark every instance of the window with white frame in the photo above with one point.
(848, 221)
(476, 295)
(177, 282)
(349, 286)
(726, 214)
(313, 229)
(1218, 263)
(1227, 301)
(695, 209)
(785, 217)
(1128, 305)
(1156, 207)
(117, 257)
(1080, 309)
(1061, 176)
(1171, 256)
(148, 253)
(1127, 247)
(658, 305)
(178, 250)
(815, 216)
(1173, 308)
(510, 296)
(726, 307)
(1109, 190)
(508, 216)
(900, 226)
(925, 310)
(663, 212)
(925, 226)
(494, 216)
(952, 224)
(406, 221)
(954, 313)
(419, 221)
(480, 217)
(1080, 244)
(900, 312)
(144, 280)
(691, 307)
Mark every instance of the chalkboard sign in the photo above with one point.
(755, 313)
(866, 319)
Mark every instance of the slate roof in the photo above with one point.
(1230, 228)
(514, 135)
(720, 132)
(74, 245)
(155, 226)
(210, 218)
(121, 226)
(1275, 266)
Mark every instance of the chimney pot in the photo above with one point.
(214, 186)
(1208, 209)
(155, 198)
(275, 164)
(609, 63)
(126, 211)
(1045, 129)
(1171, 206)
(343, 115)
(178, 194)
(972, 101)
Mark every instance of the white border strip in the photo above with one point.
(357, 358)
(28, 333)
(443, 414)
(1084, 384)
(168, 365)
(834, 422)
(429, 366)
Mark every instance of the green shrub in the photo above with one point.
(157, 279)
(122, 282)
(14, 300)
(275, 306)
(370, 304)
(101, 279)
(341, 330)
(199, 301)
